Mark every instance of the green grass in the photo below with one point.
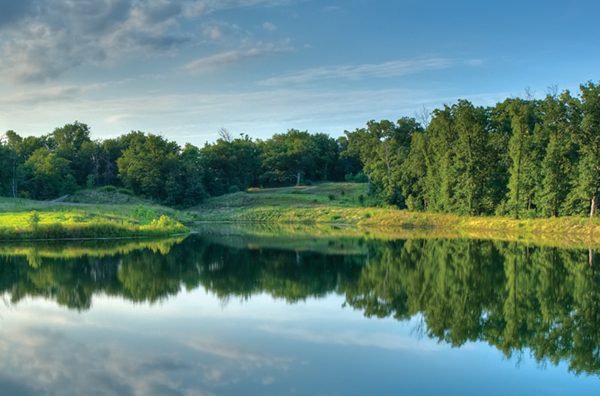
(68, 220)
(97, 196)
(313, 205)
(346, 195)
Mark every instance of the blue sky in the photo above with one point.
(185, 68)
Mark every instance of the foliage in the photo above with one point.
(108, 189)
(33, 219)
(511, 295)
(526, 158)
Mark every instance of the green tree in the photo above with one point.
(562, 119)
(47, 175)
(145, 164)
(521, 184)
(288, 157)
(588, 138)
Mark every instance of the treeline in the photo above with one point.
(149, 165)
(523, 157)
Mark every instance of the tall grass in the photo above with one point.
(87, 222)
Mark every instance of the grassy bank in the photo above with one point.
(342, 203)
(26, 219)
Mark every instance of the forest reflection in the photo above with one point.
(518, 298)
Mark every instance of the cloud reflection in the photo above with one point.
(378, 340)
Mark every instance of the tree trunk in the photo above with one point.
(369, 185)
(591, 257)
(594, 204)
(298, 179)
(14, 179)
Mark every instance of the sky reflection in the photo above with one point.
(194, 345)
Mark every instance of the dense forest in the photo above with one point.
(522, 157)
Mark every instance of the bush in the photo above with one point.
(331, 197)
(140, 212)
(361, 199)
(33, 219)
(125, 191)
(414, 204)
(108, 189)
(361, 178)
(91, 182)
(308, 183)
(233, 189)
(349, 178)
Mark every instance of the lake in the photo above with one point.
(299, 310)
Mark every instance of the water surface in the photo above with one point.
(260, 311)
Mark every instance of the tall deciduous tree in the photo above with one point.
(588, 138)
(521, 147)
(144, 165)
(562, 119)
(288, 157)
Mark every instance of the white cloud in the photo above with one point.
(269, 27)
(360, 72)
(43, 40)
(201, 7)
(214, 62)
(58, 35)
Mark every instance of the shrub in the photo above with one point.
(233, 189)
(91, 182)
(414, 204)
(125, 191)
(308, 183)
(140, 212)
(361, 178)
(108, 189)
(33, 219)
(361, 199)
(349, 178)
(331, 197)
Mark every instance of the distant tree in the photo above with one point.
(562, 119)
(288, 157)
(525, 172)
(47, 175)
(145, 164)
(227, 163)
(588, 138)
(72, 142)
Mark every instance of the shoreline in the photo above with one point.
(409, 221)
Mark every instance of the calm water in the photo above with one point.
(286, 313)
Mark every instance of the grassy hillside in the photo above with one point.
(341, 203)
(27, 219)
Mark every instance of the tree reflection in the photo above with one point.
(518, 298)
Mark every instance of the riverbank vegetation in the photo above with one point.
(25, 219)
(348, 203)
